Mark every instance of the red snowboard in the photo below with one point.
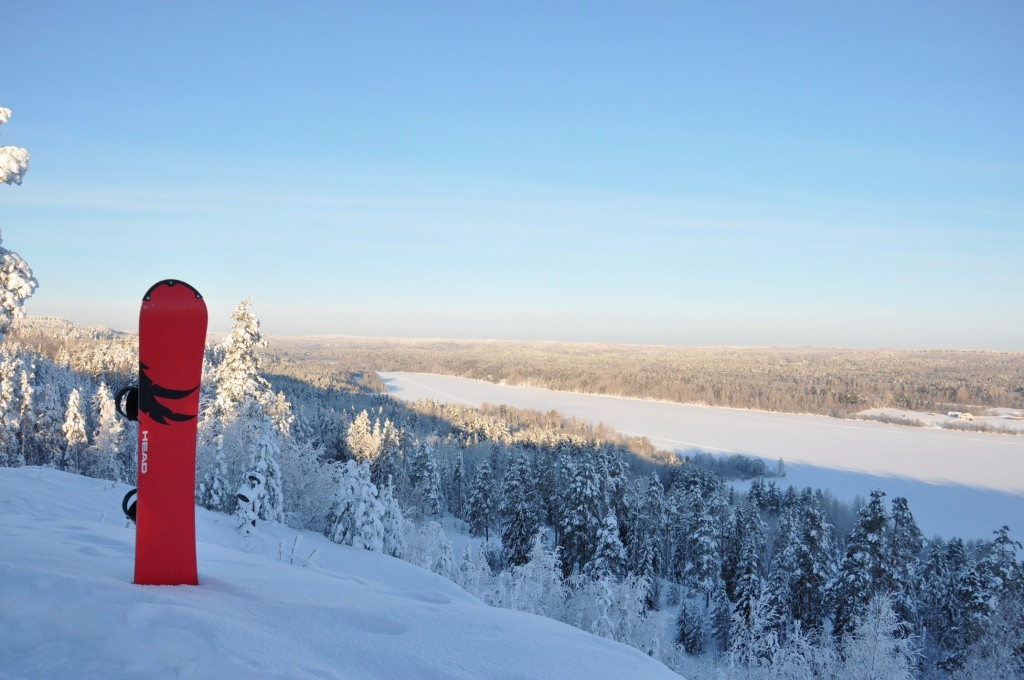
(172, 336)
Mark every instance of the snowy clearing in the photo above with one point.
(958, 483)
(68, 608)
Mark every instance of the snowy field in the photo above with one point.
(958, 483)
(68, 608)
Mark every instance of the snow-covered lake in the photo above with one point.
(958, 483)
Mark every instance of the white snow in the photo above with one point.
(68, 608)
(958, 483)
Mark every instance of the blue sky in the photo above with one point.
(844, 174)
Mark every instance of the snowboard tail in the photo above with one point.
(172, 338)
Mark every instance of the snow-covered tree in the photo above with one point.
(879, 646)
(690, 628)
(866, 569)
(49, 439)
(17, 284)
(518, 511)
(752, 638)
(356, 517)
(425, 480)
(360, 440)
(905, 548)
(27, 415)
(13, 159)
(809, 592)
(483, 505)
(609, 561)
(103, 453)
(392, 521)
(583, 509)
(239, 374)
(10, 414)
(75, 437)
(214, 491)
(264, 461)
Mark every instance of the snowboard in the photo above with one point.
(172, 337)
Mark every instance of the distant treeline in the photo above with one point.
(836, 382)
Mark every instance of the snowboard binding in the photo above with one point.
(129, 504)
(127, 402)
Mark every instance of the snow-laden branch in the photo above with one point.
(16, 285)
(13, 164)
(13, 159)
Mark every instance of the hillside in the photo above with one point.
(826, 381)
(68, 607)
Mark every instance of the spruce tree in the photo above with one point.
(809, 592)
(104, 461)
(75, 437)
(264, 462)
(866, 569)
(609, 561)
(583, 509)
(27, 444)
(905, 548)
(482, 502)
(518, 515)
(10, 420)
(356, 514)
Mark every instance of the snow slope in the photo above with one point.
(958, 483)
(68, 608)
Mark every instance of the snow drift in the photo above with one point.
(266, 607)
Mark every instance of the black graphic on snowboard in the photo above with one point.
(148, 404)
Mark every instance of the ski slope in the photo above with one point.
(68, 608)
(958, 483)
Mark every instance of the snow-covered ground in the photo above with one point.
(998, 420)
(958, 483)
(68, 608)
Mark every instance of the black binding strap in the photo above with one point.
(129, 508)
(130, 398)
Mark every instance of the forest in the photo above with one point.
(836, 382)
(715, 566)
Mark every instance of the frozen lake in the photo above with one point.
(958, 483)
